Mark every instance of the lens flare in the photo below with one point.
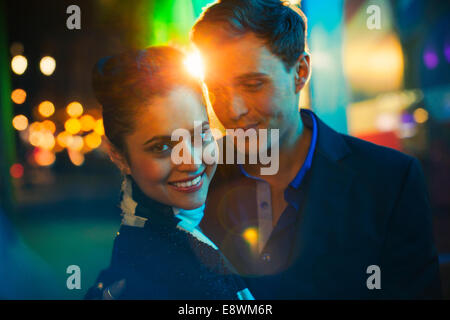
(194, 65)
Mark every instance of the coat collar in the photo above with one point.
(329, 142)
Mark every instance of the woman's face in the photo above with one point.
(150, 160)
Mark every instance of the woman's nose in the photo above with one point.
(192, 157)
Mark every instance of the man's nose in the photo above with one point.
(237, 107)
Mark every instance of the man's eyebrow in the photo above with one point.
(250, 75)
(169, 138)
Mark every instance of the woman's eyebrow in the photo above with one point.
(169, 138)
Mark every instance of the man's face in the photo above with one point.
(249, 87)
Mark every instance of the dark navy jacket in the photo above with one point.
(160, 261)
(362, 205)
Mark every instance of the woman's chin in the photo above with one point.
(190, 204)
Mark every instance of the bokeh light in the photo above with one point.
(420, 115)
(76, 157)
(87, 122)
(20, 122)
(35, 138)
(49, 126)
(46, 109)
(64, 139)
(76, 143)
(430, 59)
(47, 140)
(99, 129)
(16, 170)
(16, 49)
(93, 140)
(47, 65)
(18, 96)
(74, 109)
(44, 157)
(72, 126)
(19, 64)
(251, 236)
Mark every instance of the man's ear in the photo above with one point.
(117, 157)
(302, 71)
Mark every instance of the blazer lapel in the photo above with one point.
(328, 194)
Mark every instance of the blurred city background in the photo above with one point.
(381, 72)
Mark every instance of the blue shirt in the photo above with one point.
(265, 249)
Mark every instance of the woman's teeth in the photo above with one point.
(187, 184)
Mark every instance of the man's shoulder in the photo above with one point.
(376, 157)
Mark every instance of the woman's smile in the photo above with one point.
(190, 184)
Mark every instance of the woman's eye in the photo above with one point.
(159, 148)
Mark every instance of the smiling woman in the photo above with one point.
(159, 252)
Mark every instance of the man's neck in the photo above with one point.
(294, 145)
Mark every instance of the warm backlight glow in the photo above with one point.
(194, 64)
(19, 64)
(47, 65)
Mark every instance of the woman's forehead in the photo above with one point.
(180, 108)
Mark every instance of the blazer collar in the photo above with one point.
(329, 142)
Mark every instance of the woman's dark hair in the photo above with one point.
(124, 84)
(281, 25)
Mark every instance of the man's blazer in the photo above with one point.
(365, 207)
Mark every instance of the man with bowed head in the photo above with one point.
(338, 208)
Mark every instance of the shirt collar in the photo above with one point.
(309, 121)
(190, 219)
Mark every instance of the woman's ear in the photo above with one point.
(302, 71)
(117, 157)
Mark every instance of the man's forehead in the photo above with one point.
(239, 57)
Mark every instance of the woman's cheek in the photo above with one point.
(152, 170)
